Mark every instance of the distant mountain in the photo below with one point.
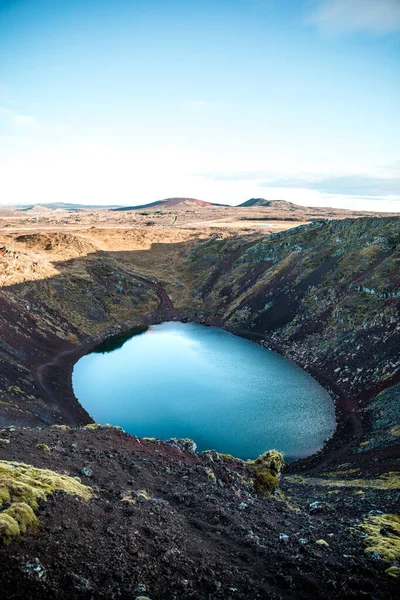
(172, 204)
(66, 206)
(264, 202)
(288, 211)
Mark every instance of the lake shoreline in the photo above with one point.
(186, 380)
(55, 381)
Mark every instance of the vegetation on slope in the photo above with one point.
(327, 294)
(23, 487)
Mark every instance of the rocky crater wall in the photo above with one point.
(324, 295)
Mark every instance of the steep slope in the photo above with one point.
(326, 295)
(166, 521)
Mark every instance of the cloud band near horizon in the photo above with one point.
(349, 185)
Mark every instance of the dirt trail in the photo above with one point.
(165, 300)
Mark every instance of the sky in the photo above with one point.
(132, 101)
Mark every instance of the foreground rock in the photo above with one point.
(168, 523)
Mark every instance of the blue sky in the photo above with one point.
(129, 101)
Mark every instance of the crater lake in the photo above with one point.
(225, 392)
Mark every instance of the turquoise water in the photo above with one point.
(224, 392)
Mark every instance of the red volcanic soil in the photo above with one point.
(171, 524)
(168, 523)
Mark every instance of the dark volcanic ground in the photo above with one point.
(168, 523)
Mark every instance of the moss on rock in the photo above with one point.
(25, 486)
(43, 447)
(210, 474)
(265, 471)
(393, 571)
(9, 527)
(23, 515)
(226, 457)
(383, 535)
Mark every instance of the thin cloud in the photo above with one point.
(196, 105)
(4, 110)
(25, 120)
(20, 120)
(377, 17)
(349, 185)
(235, 175)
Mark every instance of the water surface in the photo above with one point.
(224, 392)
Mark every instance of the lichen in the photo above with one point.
(133, 497)
(187, 441)
(383, 535)
(210, 474)
(43, 447)
(24, 487)
(385, 481)
(393, 571)
(226, 457)
(109, 426)
(390, 480)
(62, 427)
(265, 471)
(184, 444)
(93, 426)
(341, 472)
(143, 496)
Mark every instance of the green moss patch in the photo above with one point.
(393, 572)
(93, 426)
(386, 481)
(383, 535)
(226, 457)
(22, 488)
(265, 471)
(43, 447)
